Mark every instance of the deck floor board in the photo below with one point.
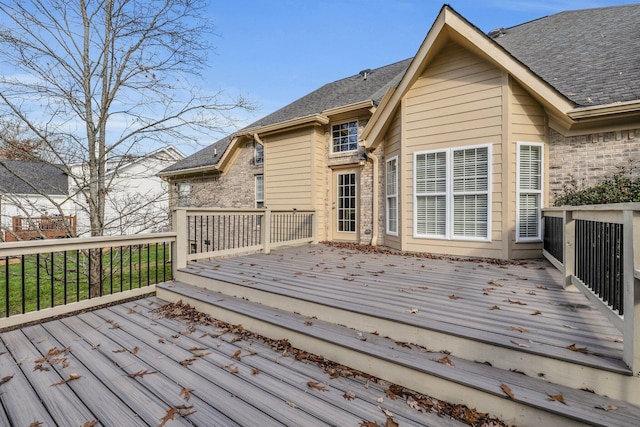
(452, 295)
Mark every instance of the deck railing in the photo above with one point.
(51, 277)
(598, 250)
(205, 233)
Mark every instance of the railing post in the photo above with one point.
(314, 225)
(569, 247)
(266, 231)
(631, 332)
(179, 248)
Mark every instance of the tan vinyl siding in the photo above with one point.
(288, 172)
(392, 147)
(456, 102)
(319, 177)
(528, 124)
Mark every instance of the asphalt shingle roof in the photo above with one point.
(591, 56)
(35, 178)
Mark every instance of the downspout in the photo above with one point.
(374, 208)
(257, 139)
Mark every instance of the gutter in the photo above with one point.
(604, 110)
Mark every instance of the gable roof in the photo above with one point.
(21, 177)
(575, 63)
(590, 56)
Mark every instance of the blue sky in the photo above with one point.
(275, 51)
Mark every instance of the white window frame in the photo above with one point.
(520, 191)
(333, 137)
(183, 194)
(391, 196)
(259, 195)
(449, 195)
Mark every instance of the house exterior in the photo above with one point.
(453, 151)
(136, 201)
(30, 189)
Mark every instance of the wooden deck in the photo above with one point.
(126, 366)
(515, 306)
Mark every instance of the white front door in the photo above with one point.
(345, 205)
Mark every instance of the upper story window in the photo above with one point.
(344, 137)
(258, 156)
(183, 190)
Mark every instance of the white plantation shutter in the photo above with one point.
(530, 181)
(470, 192)
(431, 193)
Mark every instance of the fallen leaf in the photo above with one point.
(515, 302)
(446, 361)
(40, 367)
(541, 287)
(236, 355)
(557, 398)
(232, 369)
(135, 350)
(508, 391)
(72, 377)
(293, 405)
(387, 412)
(6, 379)
(413, 404)
(187, 362)
(413, 311)
(171, 412)
(317, 386)
(607, 408)
(390, 394)
(36, 424)
(570, 327)
(186, 393)
(495, 307)
(197, 348)
(141, 374)
(91, 423)
(349, 395)
(536, 313)
(403, 344)
(518, 329)
(519, 344)
(255, 371)
(121, 350)
(454, 297)
(391, 422)
(573, 347)
(424, 288)
(308, 323)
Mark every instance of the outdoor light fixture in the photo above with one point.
(363, 159)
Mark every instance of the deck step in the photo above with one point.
(441, 375)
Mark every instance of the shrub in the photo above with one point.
(621, 187)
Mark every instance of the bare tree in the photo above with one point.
(105, 77)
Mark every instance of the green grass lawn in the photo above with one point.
(44, 281)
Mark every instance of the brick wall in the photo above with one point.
(590, 158)
(235, 189)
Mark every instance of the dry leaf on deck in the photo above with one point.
(495, 307)
(232, 369)
(454, 297)
(391, 423)
(135, 350)
(141, 374)
(91, 423)
(508, 391)
(171, 412)
(557, 398)
(573, 347)
(236, 355)
(606, 408)
(186, 393)
(7, 379)
(293, 405)
(255, 371)
(536, 313)
(72, 377)
(317, 386)
(413, 311)
(515, 302)
(349, 395)
(446, 361)
(519, 344)
(518, 329)
(36, 424)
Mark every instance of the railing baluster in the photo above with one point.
(6, 287)
(64, 275)
(53, 282)
(23, 284)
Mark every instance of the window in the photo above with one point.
(259, 191)
(258, 155)
(183, 189)
(529, 197)
(452, 196)
(392, 196)
(344, 137)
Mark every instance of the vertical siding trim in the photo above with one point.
(404, 201)
(507, 171)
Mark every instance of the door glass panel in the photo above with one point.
(346, 202)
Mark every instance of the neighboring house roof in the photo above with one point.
(590, 56)
(207, 156)
(21, 177)
(582, 58)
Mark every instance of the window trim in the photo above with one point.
(449, 195)
(257, 199)
(391, 196)
(332, 148)
(519, 191)
(183, 198)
